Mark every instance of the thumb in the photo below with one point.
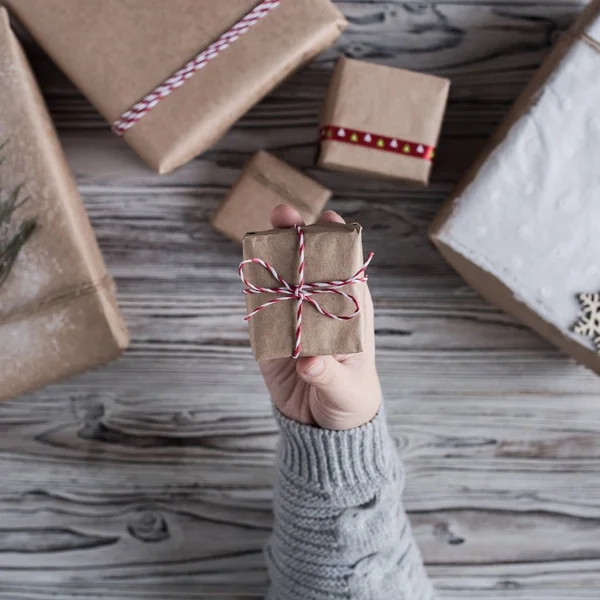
(336, 404)
(347, 396)
(324, 373)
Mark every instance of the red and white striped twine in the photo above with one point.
(303, 292)
(130, 117)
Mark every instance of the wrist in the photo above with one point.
(337, 460)
(362, 413)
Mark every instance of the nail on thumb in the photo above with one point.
(315, 369)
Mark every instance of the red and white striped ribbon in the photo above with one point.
(303, 292)
(130, 117)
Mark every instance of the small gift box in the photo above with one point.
(522, 227)
(173, 76)
(58, 313)
(305, 288)
(382, 121)
(265, 183)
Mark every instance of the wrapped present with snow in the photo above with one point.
(522, 228)
(58, 312)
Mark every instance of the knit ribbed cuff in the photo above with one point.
(337, 459)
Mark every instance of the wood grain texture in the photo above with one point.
(151, 478)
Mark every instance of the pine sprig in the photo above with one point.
(10, 252)
(12, 246)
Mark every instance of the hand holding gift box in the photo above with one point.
(382, 121)
(173, 77)
(297, 290)
(338, 391)
(266, 183)
(58, 312)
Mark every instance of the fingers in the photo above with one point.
(330, 216)
(284, 216)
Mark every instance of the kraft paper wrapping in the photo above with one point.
(265, 183)
(551, 217)
(385, 101)
(117, 51)
(333, 252)
(58, 313)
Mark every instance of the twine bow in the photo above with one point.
(303, 292)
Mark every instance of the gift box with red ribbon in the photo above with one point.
(382, 121)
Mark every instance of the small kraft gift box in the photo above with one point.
(305, 289)
(172, 76)
(522, 227)
(58, 312)
(382, 121)
(265, 183)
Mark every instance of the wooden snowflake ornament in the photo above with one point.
(589, 323)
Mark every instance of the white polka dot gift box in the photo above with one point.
(171, 76)
(523, 228)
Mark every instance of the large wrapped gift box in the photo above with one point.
(119, 51)
(58, 313)
(522, 228)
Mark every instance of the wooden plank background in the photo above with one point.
(151, 478)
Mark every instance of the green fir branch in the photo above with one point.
(10, 249)
(10, 252)
(10, 205)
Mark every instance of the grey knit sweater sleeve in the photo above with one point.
(340, 530)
